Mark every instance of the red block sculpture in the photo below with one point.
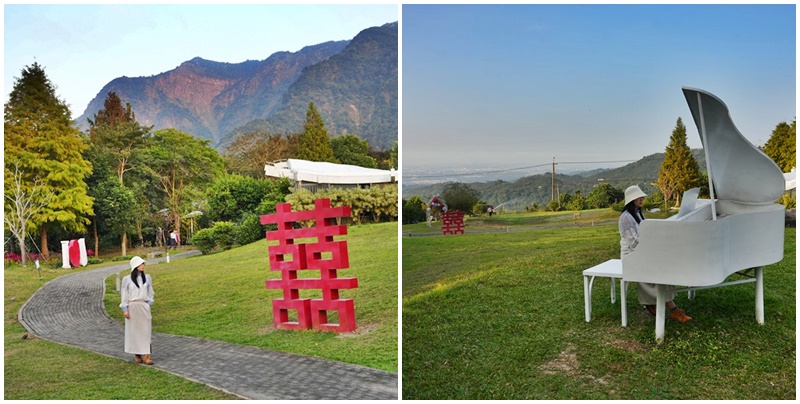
(326, 256)
(452, 222)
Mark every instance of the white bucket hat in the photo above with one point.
(632, 193)
(136, 261)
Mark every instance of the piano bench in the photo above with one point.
(609, 269)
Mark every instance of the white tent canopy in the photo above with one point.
(303, 171)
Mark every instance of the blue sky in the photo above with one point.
(83, 47)
(515, 85)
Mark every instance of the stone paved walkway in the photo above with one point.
(69, 310)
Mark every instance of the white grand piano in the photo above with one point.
(739, 228)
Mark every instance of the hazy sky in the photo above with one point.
(83, 47)
(516, 85)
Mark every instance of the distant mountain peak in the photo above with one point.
(211, 99)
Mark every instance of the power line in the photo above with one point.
(514, 169)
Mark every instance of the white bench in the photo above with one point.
(609, 269)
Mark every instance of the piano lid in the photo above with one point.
(740, 172)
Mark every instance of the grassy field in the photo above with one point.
(501, 316)
(223, 297)
(36, 369)
(220, 296)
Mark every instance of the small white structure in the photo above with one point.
(791, 179)
(312, 175)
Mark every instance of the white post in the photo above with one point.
(118, 285)
(167, 256)
(65, 254)
(760, 295)
(660, 303)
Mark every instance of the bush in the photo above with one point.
(204, 240)
(250, 229)
(224, 234)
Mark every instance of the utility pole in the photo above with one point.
(553, 181)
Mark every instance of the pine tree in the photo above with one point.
(314, 141)
(782, 147)
(40, 139)
(679, 170)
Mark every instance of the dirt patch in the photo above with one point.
(567, 363)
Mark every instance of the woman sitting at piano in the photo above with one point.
(629, 232)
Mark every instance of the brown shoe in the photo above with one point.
(651, 308)
(680, 316)
(137, 358)
(147, 360)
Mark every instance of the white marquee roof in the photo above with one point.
(327, 173)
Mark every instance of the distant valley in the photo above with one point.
(522, 192)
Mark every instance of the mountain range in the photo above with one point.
(353, 84)
(523, 192)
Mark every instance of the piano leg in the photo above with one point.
(660, 315)
(623, 301)
(587, 297)
(760, 295)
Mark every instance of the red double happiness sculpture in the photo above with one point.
(289, 258)
(452, 222)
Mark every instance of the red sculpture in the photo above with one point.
(452, 222)
(326, 255)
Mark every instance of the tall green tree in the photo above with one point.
(40, 139)
(782, 146)
(679, 170)
(184, 165)
(116, 140)
(603, 196)
(460, 196)
(352, 150)
(314, 141)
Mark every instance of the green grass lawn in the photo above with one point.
(220, 296)
(35, 369)
(223, 297)
(501, 316)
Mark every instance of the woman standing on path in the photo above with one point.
(137, 297)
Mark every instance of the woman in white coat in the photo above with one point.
(629, 238)
(137, 297)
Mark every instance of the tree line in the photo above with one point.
(122, 183)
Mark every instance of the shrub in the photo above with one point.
(250, 229)
(204, 240)
(224, 234)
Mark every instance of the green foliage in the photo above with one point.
(460, 196)
(787, 200)
(413, 210)
(377, 203)
(479, 208)
(314, 141)
(224, 234)
(115, 206)
(233, 195)
(249, 229)
(350, 149)
(679, 171)
(204, 240)
(183, 165)
(782, 146)
(603, 196)
(40, 139)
